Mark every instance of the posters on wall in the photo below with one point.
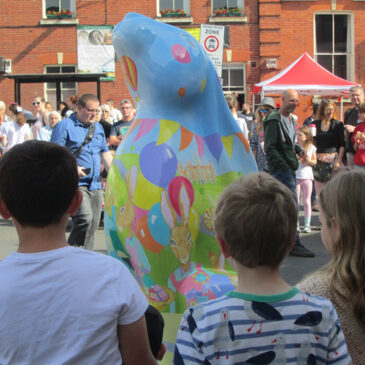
(95, 51)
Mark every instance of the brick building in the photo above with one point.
(261, 38)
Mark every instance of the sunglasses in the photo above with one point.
(264, 110)
(36, 103)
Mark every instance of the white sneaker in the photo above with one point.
(307, 229)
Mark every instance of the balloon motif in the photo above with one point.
(182, 150)
(158, 163)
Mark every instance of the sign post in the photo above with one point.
(212, 40)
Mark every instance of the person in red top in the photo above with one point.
(358, 138)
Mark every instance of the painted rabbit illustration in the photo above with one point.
(180, 240)
(125, 215)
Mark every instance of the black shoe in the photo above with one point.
(300, 251)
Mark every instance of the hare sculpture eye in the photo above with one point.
(173, 242)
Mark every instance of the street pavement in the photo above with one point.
(293, 268)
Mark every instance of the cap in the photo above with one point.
(268, 101)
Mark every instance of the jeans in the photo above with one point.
(86, 221)
(288, 179)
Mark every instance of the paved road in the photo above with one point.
(293, 269)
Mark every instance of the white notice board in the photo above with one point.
(212, 40)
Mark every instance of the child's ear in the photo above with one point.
(224, 247)
(161, 352)
(75, 203)
(4, 210)
(335, 229)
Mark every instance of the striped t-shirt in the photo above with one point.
(288, 328)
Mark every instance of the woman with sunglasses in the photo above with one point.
(39, 106)
(266, 106)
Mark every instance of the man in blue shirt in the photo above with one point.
(88, 146)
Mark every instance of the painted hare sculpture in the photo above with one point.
(182, 150)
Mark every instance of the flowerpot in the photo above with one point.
(55, 16)
(173, 15)
(228, 14)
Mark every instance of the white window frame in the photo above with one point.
(186, 7)
(62, 89)
(350, 69)
(235, 66)
(240, 4)
(73, 8)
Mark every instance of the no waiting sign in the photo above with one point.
(212, 39)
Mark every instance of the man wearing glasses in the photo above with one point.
(85, 138)
(120, 128)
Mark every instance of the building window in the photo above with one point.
(234, 78)
(59, 9)
(67, 88)
(175, 5)
(227, 7)
(333, 40)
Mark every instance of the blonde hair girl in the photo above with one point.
(342, 212)
(304, 174)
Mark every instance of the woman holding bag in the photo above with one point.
(330, 144)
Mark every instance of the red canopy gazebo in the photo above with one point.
(305, 76)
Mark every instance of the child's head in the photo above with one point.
(342, 214)
(38, 181)
(256, 217)
(304, 136)
(361, 112)
(155, 326)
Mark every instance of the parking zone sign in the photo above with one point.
(212, 39)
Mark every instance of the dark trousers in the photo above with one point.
(288, 179)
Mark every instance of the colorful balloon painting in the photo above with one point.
(182, 150)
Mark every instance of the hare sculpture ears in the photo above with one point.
(168, 212)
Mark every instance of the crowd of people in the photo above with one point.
(103, 316)
(18, 125)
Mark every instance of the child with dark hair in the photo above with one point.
(155, 326)
(61, 304)
(265, 320)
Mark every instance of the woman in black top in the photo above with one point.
(329, 139)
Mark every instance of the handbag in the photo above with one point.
(322, 171)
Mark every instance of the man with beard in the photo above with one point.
(281, 151)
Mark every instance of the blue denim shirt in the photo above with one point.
(71, 133)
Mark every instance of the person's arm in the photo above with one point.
(187, 350)
(133, 343)
(4, 141)
(271, 138)
(114, 140)
(313, 160)
(107, 158)
(340, 145)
